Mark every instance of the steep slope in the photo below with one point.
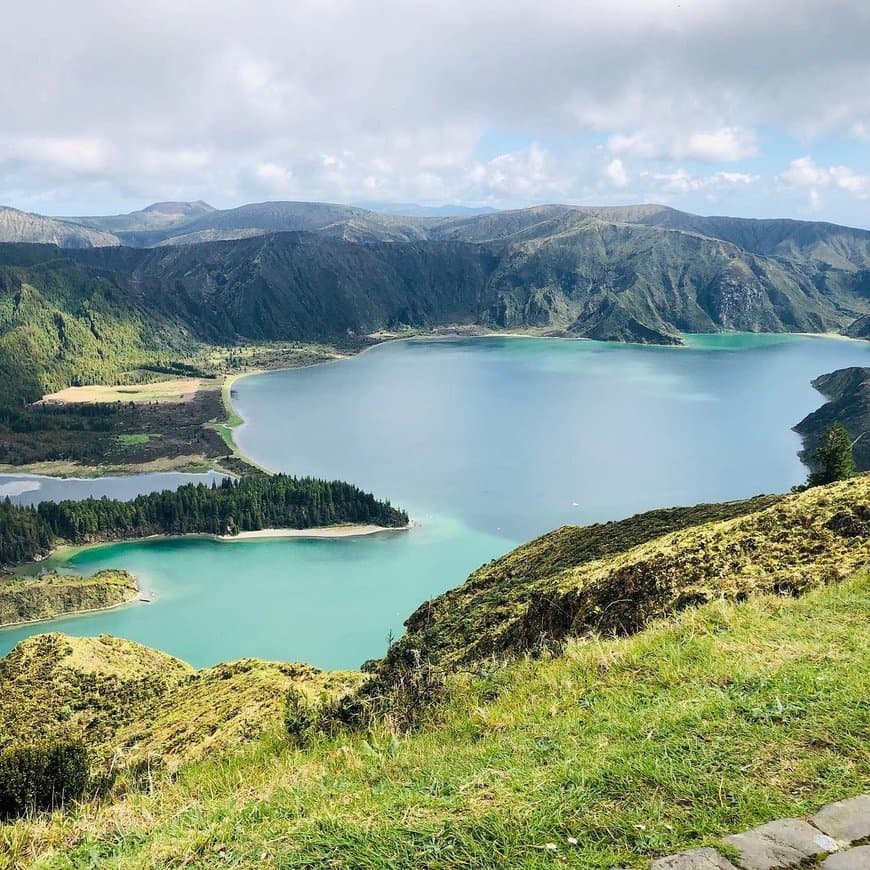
(62, 323)
(20, 226)
(613, 579)
(859, 328)
(848, 395)
(804, 241)
(599, 280)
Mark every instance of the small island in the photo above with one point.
(32, 599)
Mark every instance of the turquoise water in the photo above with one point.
(486, 442)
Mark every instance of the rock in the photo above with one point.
(852, 859)
(846, 821)
(697, 859)
(784, 843)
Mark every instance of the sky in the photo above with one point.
(758, 108)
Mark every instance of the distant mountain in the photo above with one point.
(134, 227)
(412, 209)
(21, 226)
(77, 314)
(180, 223)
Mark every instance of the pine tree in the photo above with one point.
(834, 457)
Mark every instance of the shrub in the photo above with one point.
(42, 775)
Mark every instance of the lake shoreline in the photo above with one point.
(62, 470)
(61, 554)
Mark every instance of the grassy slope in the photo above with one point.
(135, 703)
(52, 595)
(724, 717)
(720, 717)
(615, 578)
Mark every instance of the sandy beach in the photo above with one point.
(350, 531)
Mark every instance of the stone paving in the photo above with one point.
(830, 840)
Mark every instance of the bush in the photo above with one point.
(300, 717)
(42, 775)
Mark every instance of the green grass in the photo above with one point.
(724, 717)
(133, 440)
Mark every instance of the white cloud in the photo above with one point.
(681, 181)
(183, 159)
(616, 173)
(723, 145)
(803, 172)
(69, 153)
(338, 99)
(275, 176)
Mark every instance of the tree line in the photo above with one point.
(233, 506)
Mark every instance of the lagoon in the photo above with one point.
(486, 442)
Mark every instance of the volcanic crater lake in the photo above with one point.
(486, 442)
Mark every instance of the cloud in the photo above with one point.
(339, 99)
(721, 146)
(64, 153)
(724, 145)
(616, 173)
(804, 173)
(681, 181)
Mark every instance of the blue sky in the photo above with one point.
(721, 106)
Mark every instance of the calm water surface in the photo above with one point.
(30, 489)
(486, 442)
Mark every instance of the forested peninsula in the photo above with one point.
(259, 502)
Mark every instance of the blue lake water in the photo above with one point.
(30, 489)
(487, 442)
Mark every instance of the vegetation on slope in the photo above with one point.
(26, 599)
(252, 503)
(848, 394)
(134, 705)
(715, 720)
(614, 578)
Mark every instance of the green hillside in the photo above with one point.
(739, 695)
(88, 315)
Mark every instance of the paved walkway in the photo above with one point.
(837, 837)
